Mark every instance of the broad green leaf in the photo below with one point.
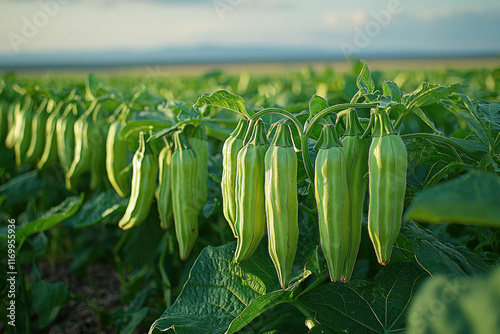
(218, 290)
(364, 80)
(436, 257)
(456, 305)
(472, 199)
(366, 307)
(223, 99)
(427, 93)
(428, 161)
(262, 303)
(51, 218)
(391, 89)
(465, 109)
(282, 318)
(23, 188)
(316, 104)
(100, 206)
(48, 300)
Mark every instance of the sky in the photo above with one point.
(389, 26)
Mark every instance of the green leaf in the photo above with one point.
(428, 161)
(427, 93)
(420, 113)
(436, 257)
(477, 117)
(223, 99)
(472, 199)
(363, 307)
(51, 218)
(100, 206)
(48, 300)
(22, 188)
(364, 80)
(262, 303)
(218, 291)
(316, 104)
(391, 89)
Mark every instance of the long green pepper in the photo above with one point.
(282, 203)
(387, 163)
(356, 152)
(49, 154)
(185, 193)
(332, 198)
(164, 190)
(144, 170)
(65, 134)
(250, 223)
(199, 142)
(230, 149)
(117, 165)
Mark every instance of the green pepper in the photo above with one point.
(185, 193)
(144, 170)
(332, 198)
(282, 203)
(250, 223)
(230, 149)
(387, 163)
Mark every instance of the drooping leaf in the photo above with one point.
(48, 300)
(223, 99)
(472, 199)
(364, 307)
(50, 218)
(100, 206)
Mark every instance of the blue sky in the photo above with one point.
(47, 26)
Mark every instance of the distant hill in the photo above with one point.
(192, 55)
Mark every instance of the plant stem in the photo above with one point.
(167, 287)
(307, 210)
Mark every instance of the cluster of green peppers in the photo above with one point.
(259, 188)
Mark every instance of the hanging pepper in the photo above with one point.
(144, 170)
(387, 163)
(250, 223)
(230, 149)
(332, 197)
(185, 193)
(282, 203)
(164, 191)
(356, 152)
